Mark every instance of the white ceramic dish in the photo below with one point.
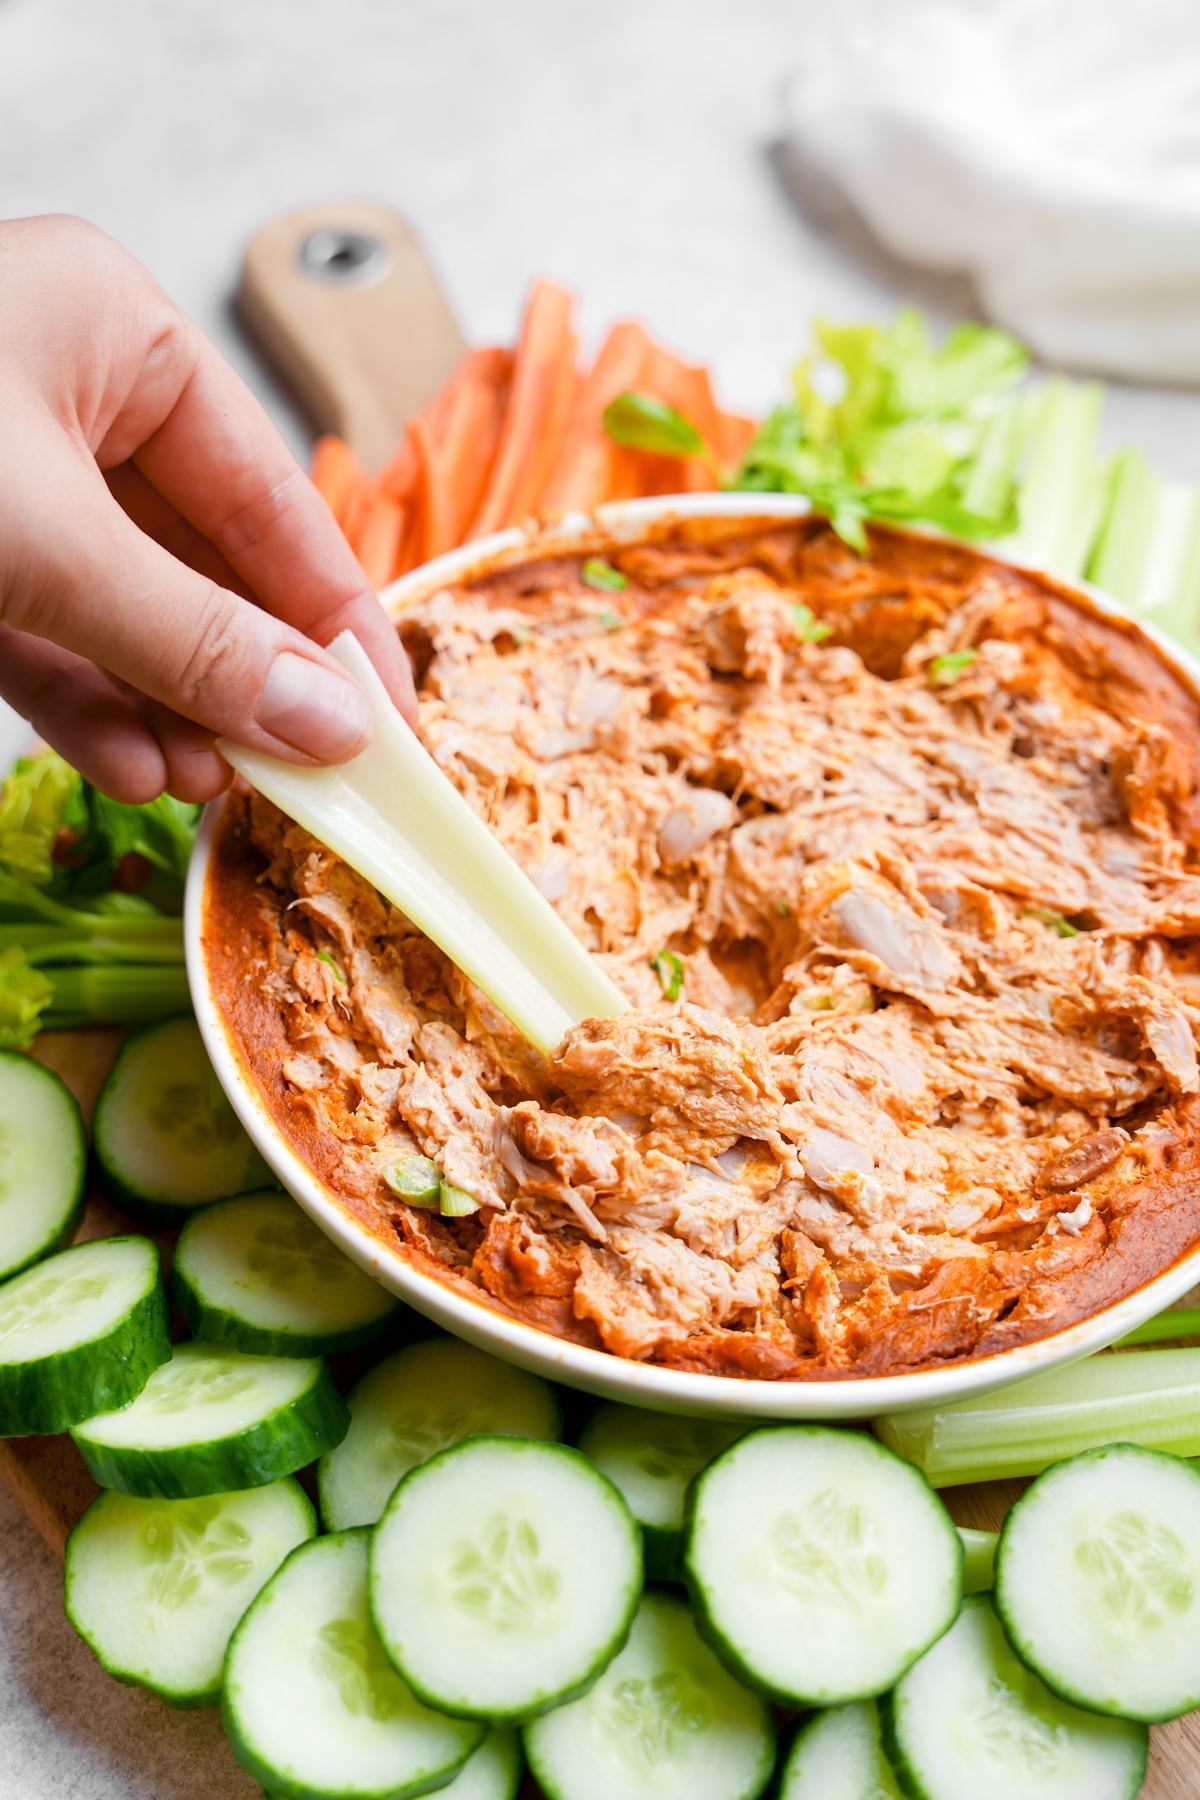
(597, 1371)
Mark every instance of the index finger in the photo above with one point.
(221, 463)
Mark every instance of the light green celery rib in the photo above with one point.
(989, 484)
(1148, 551)
(396, 818)
(1176, 1322)
(1147, 1397)
(1061, 495)
(979, 1559)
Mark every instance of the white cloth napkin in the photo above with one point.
(1049, 149)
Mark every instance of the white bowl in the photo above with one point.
(641, 1384)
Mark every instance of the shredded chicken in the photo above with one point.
(933, 938)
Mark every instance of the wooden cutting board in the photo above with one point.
(344, 302)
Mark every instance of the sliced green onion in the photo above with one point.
(640, 422)
(339, 974)
(979, 1559)
(415, 1179)
(610, 619)
(1045, 915)
(455, 1202)
(1146, 1397)
(669, 969)
(944, 671)
(810, 628)
(1177, 1322)
(783, 909)
(597, 573)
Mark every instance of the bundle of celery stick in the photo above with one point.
(90, 896)
(884, 424)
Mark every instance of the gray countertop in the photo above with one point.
(623, 147)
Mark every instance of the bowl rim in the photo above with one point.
(600, 1372)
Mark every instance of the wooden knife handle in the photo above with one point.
(343, 300)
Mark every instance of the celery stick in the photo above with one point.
(1171, 598)
(979, 1559)
(1061, 494)
(115, 994)
(988, 488)
(1147, 1397)
(1177, 1322)
(1121, 559)
(395, 817)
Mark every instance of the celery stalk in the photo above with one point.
(1148, 550)
(114, 994)
(988, 489)
(1147, 1397)
(1171, 598)
(96, 937)
(1120, 560)
(395, 817)
(1060, 496)
(1176, 1322)
(979, 1559)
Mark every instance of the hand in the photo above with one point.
(167, 572)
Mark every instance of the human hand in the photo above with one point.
(167, 571)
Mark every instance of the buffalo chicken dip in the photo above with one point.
(895, 858)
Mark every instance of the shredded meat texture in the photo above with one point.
(933, 925)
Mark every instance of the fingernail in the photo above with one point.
(314, 710)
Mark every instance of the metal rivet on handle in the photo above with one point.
(352, 258)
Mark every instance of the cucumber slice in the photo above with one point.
(1098, 1581)
(653, 1458)
(504, 1575)
(166, 1138)
(413, 1404)
(492, 1773)
(43, 1162)
(255, 1272)
(311, 1705)
(155, 1587)
(838, 1755)
(212, 1420)
(664, 1722)
(81, 1331)
(821, 1565)
(970, 1720)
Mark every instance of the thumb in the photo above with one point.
(108, 592)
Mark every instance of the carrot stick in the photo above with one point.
(399, 475)
(458, 458)
(378, 539)
(736, 435)
(336, 473)
(583, 471)
(537, 406)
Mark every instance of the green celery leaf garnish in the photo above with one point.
(640, 422)
(25, 993)
(884, 424)
(39, 799)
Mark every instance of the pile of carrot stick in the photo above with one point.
(517, 434)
